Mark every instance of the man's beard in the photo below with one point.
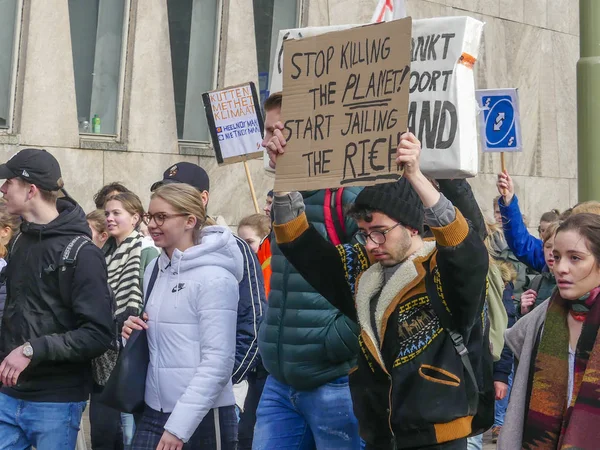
(400, 252)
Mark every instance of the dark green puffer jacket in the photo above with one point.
(304, 341)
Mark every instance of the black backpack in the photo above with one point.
(483, 401)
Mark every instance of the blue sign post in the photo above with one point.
(499, 120)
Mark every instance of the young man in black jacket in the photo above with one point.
(47, 342)
(412, 390)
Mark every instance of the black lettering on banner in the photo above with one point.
(324, 93)
(352, 90)
(425, 48)
(363, 155)
(317, 162)
(436, 127)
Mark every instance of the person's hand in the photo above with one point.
(169, 442)
(275, 146)
(501, 389)
(408, 154)
(506, 187)
(12, 366)
(528, 299)
(134, 323)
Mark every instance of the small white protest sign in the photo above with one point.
(235, 123)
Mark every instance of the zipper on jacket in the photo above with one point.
(156, 375)
(286, 276)
(390, 413)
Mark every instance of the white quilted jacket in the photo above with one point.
(192, 313)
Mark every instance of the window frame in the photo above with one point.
(204, 148)
(116, 137)
(17, 37)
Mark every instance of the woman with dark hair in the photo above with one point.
(555, 397)
(127, 256)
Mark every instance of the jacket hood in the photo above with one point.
(70, 221)
(216, 247)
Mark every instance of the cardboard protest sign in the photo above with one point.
(442, 112)
(442, 108)
(276, 78)
(235, 123)
(345, 104)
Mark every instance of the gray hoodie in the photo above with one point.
(192, 315)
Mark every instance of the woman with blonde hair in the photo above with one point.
(190, 317)
(97, 222)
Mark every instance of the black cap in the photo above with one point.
(185, 172)
(397, 200)
(34, 166)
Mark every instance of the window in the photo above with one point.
(193, 26)
(270, 17)
(9, 11)
(97, 30)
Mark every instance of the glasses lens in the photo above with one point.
(360, 238)
(378, 237)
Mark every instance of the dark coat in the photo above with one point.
(65, 336)
(304, 341)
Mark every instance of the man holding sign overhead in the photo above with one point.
(419, 307)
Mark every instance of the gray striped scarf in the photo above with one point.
(124, 277)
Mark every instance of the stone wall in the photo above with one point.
(529, 44)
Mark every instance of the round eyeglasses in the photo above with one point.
(377, 237)
(160, 218)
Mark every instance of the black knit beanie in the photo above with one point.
(397, 200)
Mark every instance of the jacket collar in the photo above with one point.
(371, 284)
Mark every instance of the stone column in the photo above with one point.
(151, 123)
(49, 114)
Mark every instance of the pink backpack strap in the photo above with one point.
(339, 207)
(329, 224)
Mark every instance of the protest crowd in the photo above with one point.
(390, 315)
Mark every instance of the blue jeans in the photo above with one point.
(128, 424)
(501, 405)
(288, 419)
(475, 442)
(43, 425)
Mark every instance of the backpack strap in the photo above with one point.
(66, 266)
(446, 321)
(338, 217)
(328, 207)
(13, 244)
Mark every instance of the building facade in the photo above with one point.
(113, 87)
